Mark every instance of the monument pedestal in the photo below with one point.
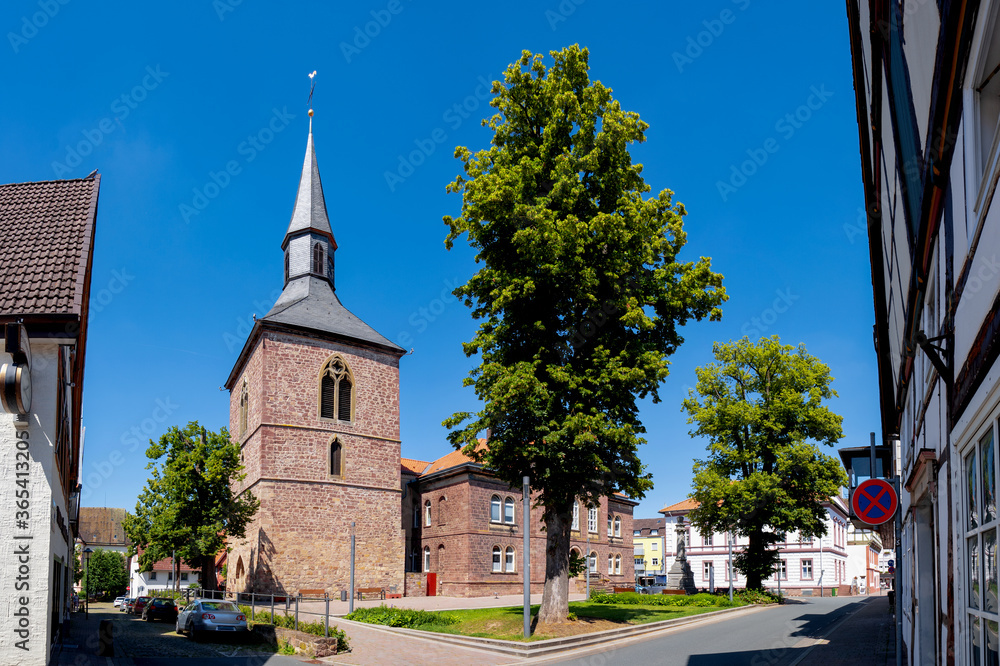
(680, 577)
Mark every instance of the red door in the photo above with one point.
(432, 584)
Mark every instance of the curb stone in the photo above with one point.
(553, 645)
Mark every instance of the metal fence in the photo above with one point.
(273, 606)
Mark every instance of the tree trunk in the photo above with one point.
(555, 595)
(208, 572)
(756, 553)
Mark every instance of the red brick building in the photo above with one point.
(464, 533)
(314, 406)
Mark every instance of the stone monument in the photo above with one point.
(680, 576)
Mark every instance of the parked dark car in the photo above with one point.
(160, 609)
(203, 615)
(139, 604)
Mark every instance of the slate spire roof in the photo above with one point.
(309, 213)
(309, 302)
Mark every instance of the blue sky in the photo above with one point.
(195, 114)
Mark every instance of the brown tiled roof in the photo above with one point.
(411, 466)
(102, 526)
(646, 524)
(683, 505)
(46, 237)
(453, 459)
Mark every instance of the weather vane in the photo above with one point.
(312, 89)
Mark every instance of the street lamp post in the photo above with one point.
(86, 576)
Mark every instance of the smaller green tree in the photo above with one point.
(105, 574)
(77, 568)
(761, 407)
(188, 507)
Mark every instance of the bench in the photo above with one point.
(618, 590)
(674, 592)
(313, 593)
(362, 591)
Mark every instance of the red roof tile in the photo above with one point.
(411, 466)
(46, 237)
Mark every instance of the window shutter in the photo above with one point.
(327, 403)
(344, 400)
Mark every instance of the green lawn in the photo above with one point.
(508, 623)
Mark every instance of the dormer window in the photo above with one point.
(317, 259)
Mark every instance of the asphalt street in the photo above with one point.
(776, 636)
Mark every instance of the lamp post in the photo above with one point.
(86, 577)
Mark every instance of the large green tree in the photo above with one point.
(188, 506)
(761, 407)
(105, 573)
(580, 293)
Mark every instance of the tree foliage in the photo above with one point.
(105, 574)
(761, 407)
(188, 506)
(580, 293)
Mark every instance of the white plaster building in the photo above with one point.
(46, 245)
(927, 93)
(807, 565)
(161, 577)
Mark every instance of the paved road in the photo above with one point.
(775, 636)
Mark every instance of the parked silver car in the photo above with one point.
(202, 615)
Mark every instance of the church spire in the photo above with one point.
(309, 243)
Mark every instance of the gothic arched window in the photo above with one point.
(336, 391)
(317, 263)
(336, 458)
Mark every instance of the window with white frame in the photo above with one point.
(427, 558)
(706, 570)
(592, 520)
(495, 509)
(980, 528)
(508, 559)
(618, 565)
(497, 561)
(656, 562)
(593, 561)
(610, 530)
(508, 511)
(782, 570)
(654, 545)
(618, 526)
(706, 539)
(807, 569)
(611, 564)
(984, 80)
(427, 513)
(576, 516)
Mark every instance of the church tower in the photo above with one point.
(314, 406)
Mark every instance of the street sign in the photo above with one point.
(874, 501)
(891, 570)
